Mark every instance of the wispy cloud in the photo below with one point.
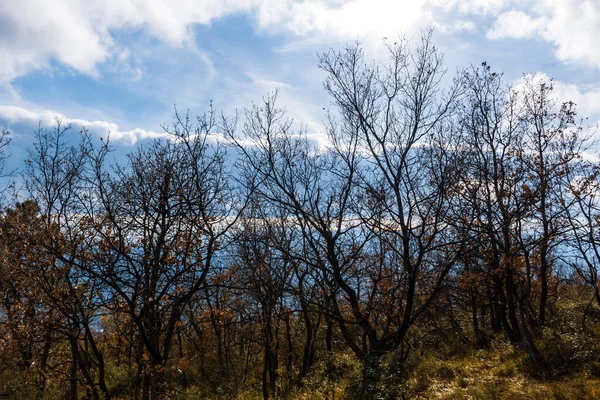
(572, 26)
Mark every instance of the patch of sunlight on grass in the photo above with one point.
(494, 374)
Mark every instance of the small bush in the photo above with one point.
(563, 353)
(595, 369)
(564, 346)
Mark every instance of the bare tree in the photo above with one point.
(54, 179)
(401, 119)
(159, 223)
(580, 202)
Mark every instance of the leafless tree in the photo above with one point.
(159, 223)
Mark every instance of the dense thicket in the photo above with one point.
(230, 258)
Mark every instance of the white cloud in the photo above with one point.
(572, 26)
(31, 34)
(586, 98)
(83, 35)
(482, 7)
(360, 18)
(516, 24)
(11, 115)
(80, 34)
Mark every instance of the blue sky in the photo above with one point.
(120, 66)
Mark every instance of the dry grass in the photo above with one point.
(494, 374)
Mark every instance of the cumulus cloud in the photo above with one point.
(480, 7)
(586, 98)
(516, 24)
(30, 119)
(360, 18)
(80, 34)
(572, 26)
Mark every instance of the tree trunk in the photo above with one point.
(328, 335)
(44, 363)
(544, 283)
(306, 356)
(476, 330)
(517, 336)
(146, 386)
(371, 374)
(290, 348)
(533, 351)
(501, 306)
(72, 393)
